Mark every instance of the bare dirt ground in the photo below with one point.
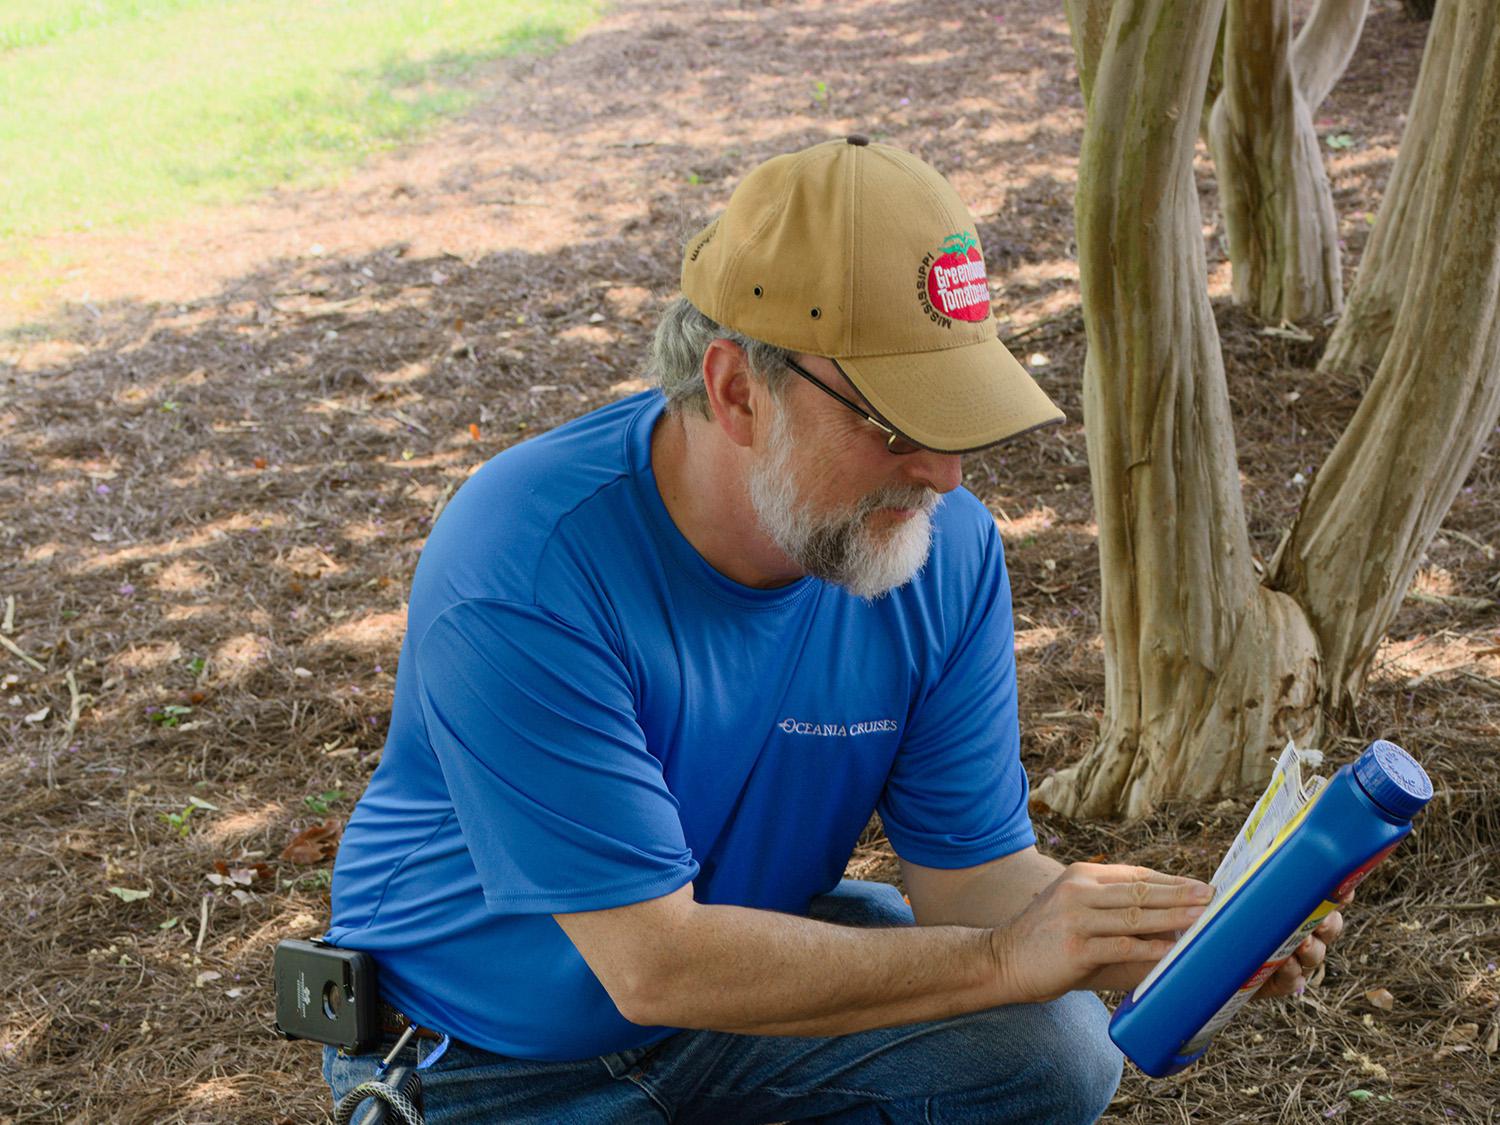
(219, 459)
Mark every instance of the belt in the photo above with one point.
(392, 1022)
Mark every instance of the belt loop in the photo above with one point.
(394, 1022)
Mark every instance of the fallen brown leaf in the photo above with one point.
(246, 874)
(314, 844)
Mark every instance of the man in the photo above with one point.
(661, 665)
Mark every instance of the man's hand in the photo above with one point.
(1095, 926)
(1294, 972)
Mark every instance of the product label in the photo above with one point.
(1287, 792)
(1358, 877)
(1222, 901)
(1219, 1019)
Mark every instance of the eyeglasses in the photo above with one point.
(895, 441)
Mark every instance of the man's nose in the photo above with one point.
(941, 472)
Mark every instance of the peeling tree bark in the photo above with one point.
(1359, 341)
(1088, 20)
(1278, 207)
(1204, 669)
(1381, 496)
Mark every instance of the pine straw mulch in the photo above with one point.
(213, 496)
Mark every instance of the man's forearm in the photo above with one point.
(988, 895)
(672, 961)
(761, 973)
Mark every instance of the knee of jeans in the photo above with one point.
(857, 902)
(1090, 1063)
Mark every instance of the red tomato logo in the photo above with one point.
(957, 286)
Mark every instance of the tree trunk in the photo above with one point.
(1274, 192)
(1207, 673)
(1325, 45)
(1360, 339)
(1381, 496)
(1204, 669)
(1214, 88)
(1088, 21)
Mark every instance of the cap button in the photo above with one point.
(857, 139)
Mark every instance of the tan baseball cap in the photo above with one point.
(862, 253)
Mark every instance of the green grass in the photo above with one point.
(118, 111)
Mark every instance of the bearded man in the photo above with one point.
(663, 662)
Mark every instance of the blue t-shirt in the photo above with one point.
(587, 715)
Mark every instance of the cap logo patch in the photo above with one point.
(952, 284)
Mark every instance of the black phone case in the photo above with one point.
(327, 994)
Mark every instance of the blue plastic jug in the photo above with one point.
(1253, 926)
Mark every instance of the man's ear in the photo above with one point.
(726, 377)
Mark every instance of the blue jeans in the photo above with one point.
(1046, 1063)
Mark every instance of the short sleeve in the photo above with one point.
(561, 805)
(957, 793)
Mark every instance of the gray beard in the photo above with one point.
(838, 547)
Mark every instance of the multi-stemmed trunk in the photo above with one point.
(1206, 668)
(1383, 492)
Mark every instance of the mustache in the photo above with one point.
(924, 500)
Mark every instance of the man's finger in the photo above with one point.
(1286, 980)
(1330, 928)
(1126, 873)
(1158, 896)
(1119, 950)
(1141, 886)
(1134, 920)
(1310, 953)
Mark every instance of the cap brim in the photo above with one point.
(954, 400)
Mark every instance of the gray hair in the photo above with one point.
(677, 351)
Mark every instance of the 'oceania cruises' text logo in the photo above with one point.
(837, 730)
